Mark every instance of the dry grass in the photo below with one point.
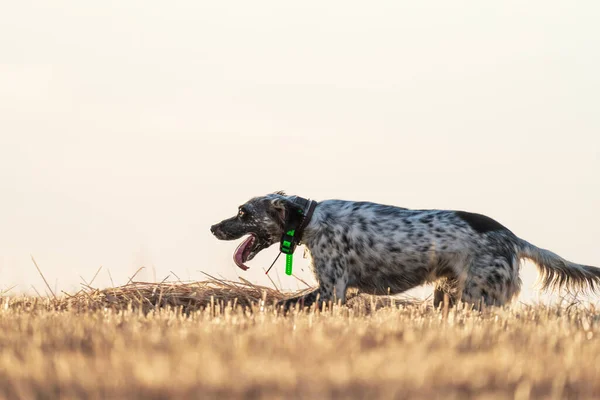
(118, 343)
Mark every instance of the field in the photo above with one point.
(120, 344)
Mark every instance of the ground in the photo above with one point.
(400, 351)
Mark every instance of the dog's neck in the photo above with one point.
(308, 207)
(310, 224)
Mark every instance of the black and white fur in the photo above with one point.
(382, 249)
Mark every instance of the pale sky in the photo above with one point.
(127, 128)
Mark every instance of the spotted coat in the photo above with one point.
(383, 249)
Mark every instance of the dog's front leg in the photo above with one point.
(305, 300)
(332, 286)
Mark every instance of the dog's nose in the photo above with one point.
(213, 229)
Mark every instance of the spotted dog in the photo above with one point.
(383, 249)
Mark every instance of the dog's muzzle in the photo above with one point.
(215, 230)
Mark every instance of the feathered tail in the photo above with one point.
(556, 272)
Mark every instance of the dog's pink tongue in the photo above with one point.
(238, 256)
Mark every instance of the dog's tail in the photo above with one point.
(556, 272)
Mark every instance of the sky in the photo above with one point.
(127, 128)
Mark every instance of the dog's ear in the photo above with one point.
(284, 207)
(279, 204)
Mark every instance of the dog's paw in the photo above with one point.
(286, 304)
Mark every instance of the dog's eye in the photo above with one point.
(241, 213)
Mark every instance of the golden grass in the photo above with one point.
(117, 343)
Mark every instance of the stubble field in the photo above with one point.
(94, 346)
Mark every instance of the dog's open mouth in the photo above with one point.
(243, 252)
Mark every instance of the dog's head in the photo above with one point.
(262, 218)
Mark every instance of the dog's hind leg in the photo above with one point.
(451, 273)
(446, 287)
(493, 280)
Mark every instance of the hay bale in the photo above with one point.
(186, 297)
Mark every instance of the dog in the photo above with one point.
(384, 250)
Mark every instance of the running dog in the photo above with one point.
(382, 249)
